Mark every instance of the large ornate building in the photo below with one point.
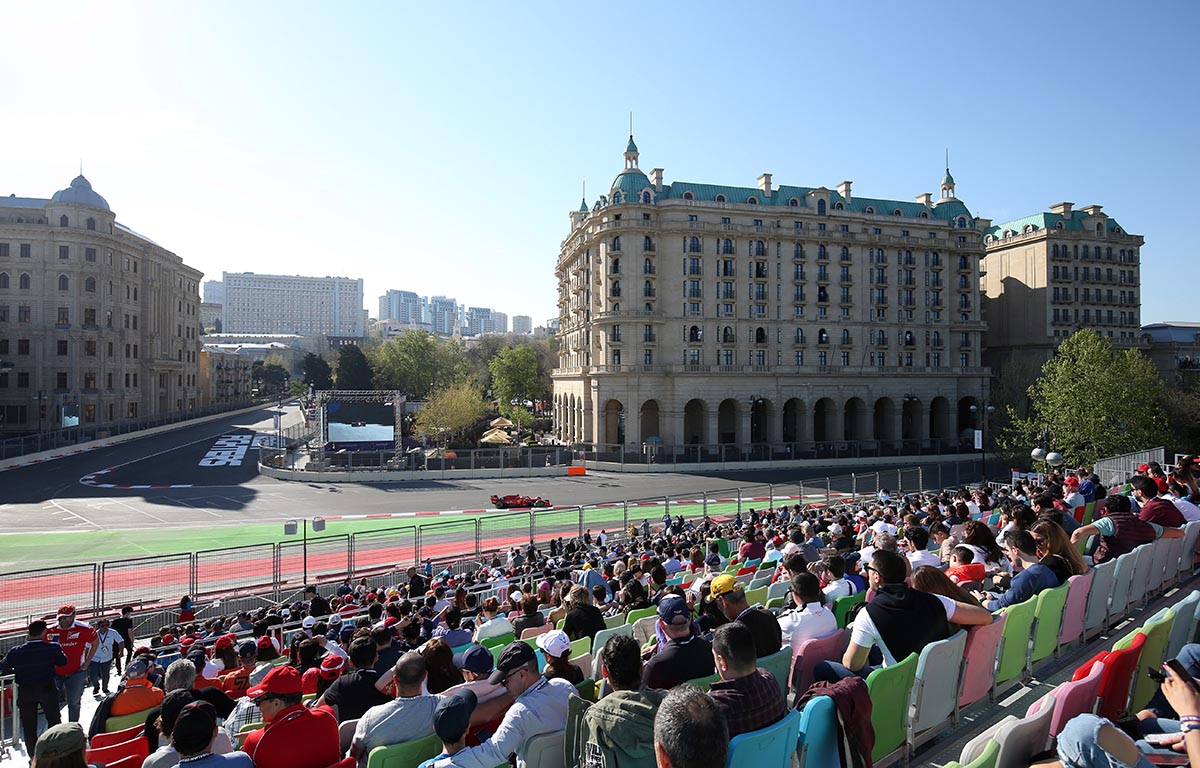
(1054, 272)
(97, 322)
(792, 316)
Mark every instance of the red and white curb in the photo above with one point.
(53, 456)
(90, 480)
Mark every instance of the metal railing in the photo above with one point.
(8, 709)
(420, 464)
(273, 571)
(1118, 469)
(736, 453)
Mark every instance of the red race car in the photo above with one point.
(515, 501)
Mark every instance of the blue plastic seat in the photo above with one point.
(772, 745)
(818, 746)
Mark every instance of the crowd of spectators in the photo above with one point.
(408, 660)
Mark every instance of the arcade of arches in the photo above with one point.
(762, 420)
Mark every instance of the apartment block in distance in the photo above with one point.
(1052, 273)
(792, 321)
(97, 322)
(309, 306)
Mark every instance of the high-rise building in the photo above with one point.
(405, 307)
(309, 306)
(1052, 273)
(214, 292)
(499, 322)
(444, 315)
(522, 324)
(807, 318)
(482, 320)
(97, 322)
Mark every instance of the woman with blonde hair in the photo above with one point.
(1056, 551)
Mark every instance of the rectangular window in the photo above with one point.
(64, 315)
(60, 380)
(3, 250)
(64, 251)
(22, 380)
(26, 250)
(22, 346)
(89, 347)
(89, 254)
(62, 347)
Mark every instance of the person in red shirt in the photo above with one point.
(294, 736)
(79, 643)
(236, 682)
(1153, 509)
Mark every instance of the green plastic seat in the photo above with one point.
(722, 546)
(614, 621)
(842, 606)
(1089, 511)
(121, 722)
(756, 596)
(640, 613)
(406, 755)
(987, 758)
(890, 688)
(1049, 613)
(498, 640)
(1014, 644)
(587, 690)
(581, 646)
(1158, 632)
(774, 602)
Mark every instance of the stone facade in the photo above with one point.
(309, 306)
(225, 376)
(789, 316)
(93, 316)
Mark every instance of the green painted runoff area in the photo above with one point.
(91, 546)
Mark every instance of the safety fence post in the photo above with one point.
(853, 486)
(828, 492)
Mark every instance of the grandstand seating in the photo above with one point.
(137, 746)
(890, 688)
(640, 613)
(1048, 614)
(1018, 739)
(779, 664)
(812, 651)
(842, 606)
(116, 737)
(934, 699)
(547, 750)
(1013, 661)
(978, 677)
(1072, 621)
(122, 722)
(1070, 699)
(1095, 614)
(603, 635)
(406, 755)
(779, 589)
(1184, 629)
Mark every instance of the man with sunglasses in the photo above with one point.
(294, 736)
(539, 706)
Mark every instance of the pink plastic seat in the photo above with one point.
(810, 652)
(535, 631)
(1077, 595)
(980, 672)
(1072, 699)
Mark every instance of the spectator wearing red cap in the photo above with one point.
(331, 668)
(1072, 498)
(294, 736)
(79, 643)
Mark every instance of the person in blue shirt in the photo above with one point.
(451, 721)
(1031, 578)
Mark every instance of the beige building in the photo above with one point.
(225, 376)
(806, 318)
(96, 321)
(1052, 273)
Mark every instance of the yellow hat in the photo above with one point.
(722, 585)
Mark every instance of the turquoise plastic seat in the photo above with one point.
(842, 606)
(772, 745)
(818, 747)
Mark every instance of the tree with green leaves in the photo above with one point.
(317, 373)
(270, 373)
(417, 363)
(353, 369)
(1091, 401)
(515, 380)
(447, 415)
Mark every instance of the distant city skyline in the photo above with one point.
(459, 178)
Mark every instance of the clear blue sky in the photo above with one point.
(439, 148)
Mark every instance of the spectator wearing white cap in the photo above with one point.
(557, 647)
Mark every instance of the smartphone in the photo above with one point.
(1179, 671)
(1155, 675)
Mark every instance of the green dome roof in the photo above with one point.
(947, 179)
(631, 147)
(631, 182)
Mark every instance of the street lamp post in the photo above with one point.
(987, 410)
(290, 528)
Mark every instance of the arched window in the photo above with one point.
(1058, 225)
(820, 251)
(91, 224)
(694, 245)
(64, 283)
(63, 221)
(845, 252)
(694, 333)
(1099, 227)
(758, 247)
(727, 247)
(752, 201)
(908, 339)
(616, 306)
(647, 244)
(897, 212)
(647, 288)
(616, 289)
(869, 209)
(647, 267)
(839, 207)
(822, 336)
(760, 335)
(617, 197)
(962, 222)
(720, 198)
(23, 282)
(89, 285)
(988, 239)
(924, 214)
(3, 279)
(820, 207)
(797, 251)
(1026, 229)
(727, 335)
(1054, 250)
(963, 282)
(799, 335)
(687, 196)
(20, 220)
(616, 243)
(616, 266)
(937, 338)
(646, 197)
(649, 307)
(845, 335)
(793, 203)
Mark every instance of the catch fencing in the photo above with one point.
(274, 571)
(1117, 469)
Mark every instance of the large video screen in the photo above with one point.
(360, 426)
